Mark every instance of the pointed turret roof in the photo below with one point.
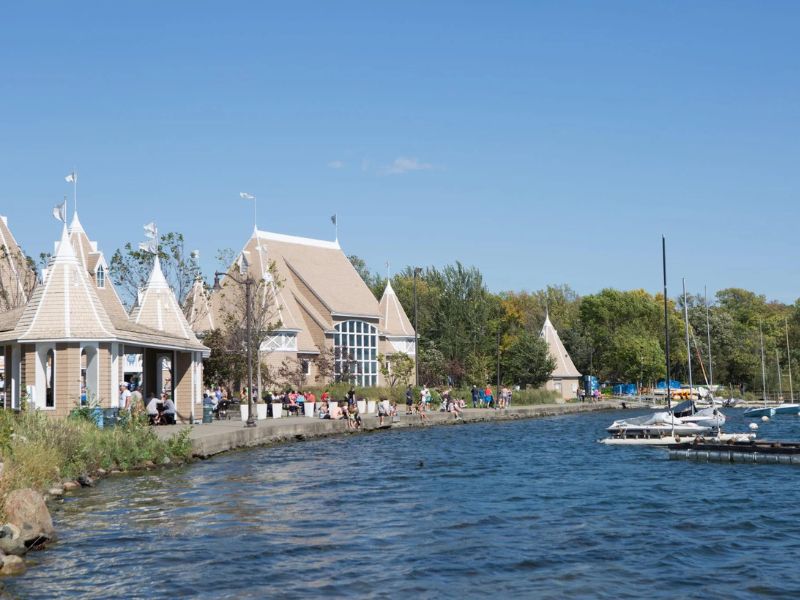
(16, 277)
(158, 308)
(564, 364)
(198, 309)
(394, 321)
(65, 306)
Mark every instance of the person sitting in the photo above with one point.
(293, 407)
(152, 410)
(335, 412)
(324, 412)
(170, 411)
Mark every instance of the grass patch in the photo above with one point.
(38, 451)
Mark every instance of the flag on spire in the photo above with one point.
(72, 177)
(246, 196)
(333, 219)
(60, 211)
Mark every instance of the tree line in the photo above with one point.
(616, 335)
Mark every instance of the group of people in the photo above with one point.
(485, 397)
(160, 410)
(451, 405)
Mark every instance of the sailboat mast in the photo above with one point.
(763, 371)
(789, 358)
(666, 327)
(780, 383)
(708, 335)
(688, 345)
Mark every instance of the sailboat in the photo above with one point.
(660, 428)
(765, 411)
(788, 408)
(709, 417)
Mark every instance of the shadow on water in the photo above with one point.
(529, 508)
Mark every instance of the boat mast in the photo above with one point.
(666, 327)
(708, 335)
(763, 371)
(789, 358)
(780, 383)
(688, 346)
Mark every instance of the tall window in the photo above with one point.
(355, 347)
(101, 277)
(50, 373)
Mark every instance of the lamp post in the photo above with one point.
(246, 282)
(417, 272)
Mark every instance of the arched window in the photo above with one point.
(101, 277)
(355, 347)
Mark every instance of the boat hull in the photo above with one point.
(787, 409)
(754, 413)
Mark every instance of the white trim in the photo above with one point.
(350, 316)
(293, 239)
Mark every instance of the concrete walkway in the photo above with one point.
(221, 436)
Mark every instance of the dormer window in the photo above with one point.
(100, 277)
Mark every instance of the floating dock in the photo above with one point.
(762, 451)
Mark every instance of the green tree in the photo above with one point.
(527, 361)
(396, 368)
(130, 268)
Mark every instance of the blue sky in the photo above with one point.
(544, 142)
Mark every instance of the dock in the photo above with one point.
(760, 451)
(223, 435)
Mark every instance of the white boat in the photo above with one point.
(706, 417)
(787, 408)
(658, 424)
(762, 411)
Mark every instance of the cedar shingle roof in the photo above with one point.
(394, 321)
(158, 308)
(564, 364)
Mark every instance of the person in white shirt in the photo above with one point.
(152, 409)
(124, 397)
(169, 410)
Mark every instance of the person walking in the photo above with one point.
(475, 396)
(409, 399)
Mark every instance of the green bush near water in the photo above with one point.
(38, 451)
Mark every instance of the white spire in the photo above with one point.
(157, 279)
(75, 226)
(65, 249)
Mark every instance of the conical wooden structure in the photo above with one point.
(565, 378)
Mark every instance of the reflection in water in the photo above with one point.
(532, 508)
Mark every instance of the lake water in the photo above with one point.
(522, 509)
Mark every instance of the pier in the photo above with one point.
(223, 435)
(762, 451)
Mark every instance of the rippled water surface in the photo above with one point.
(525, 509)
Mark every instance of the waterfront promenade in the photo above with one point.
(223, 435)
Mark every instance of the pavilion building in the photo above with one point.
(565, 378)
(319, 305)
(70, 338)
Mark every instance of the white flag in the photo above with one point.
(246, 196)
(72, 177)
(150, 230)
(60, 211)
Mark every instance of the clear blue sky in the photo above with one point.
(544, 142)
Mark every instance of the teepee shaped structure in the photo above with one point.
(565, 378)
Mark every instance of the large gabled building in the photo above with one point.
(565, 378)
(320, 305)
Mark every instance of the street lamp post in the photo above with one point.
(417, 272)
(246, 282)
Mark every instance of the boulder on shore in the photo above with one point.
(12, 565)
(27, 510)
(11, 541)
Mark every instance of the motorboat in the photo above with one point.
(787, 408)
(658, 424)
(760, 411)
(688, 412)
